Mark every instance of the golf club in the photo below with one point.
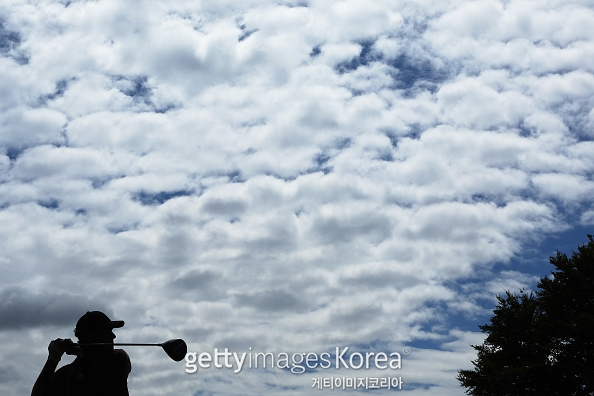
(176, 349)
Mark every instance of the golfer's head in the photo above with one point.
(95, 326)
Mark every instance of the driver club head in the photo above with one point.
(176, 349)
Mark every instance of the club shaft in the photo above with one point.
(117, 344)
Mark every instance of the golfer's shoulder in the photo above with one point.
(123, 359)
(121, 354)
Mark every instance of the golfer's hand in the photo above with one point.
(58, 346)
(71, 348)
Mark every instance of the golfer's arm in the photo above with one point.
(44, 377)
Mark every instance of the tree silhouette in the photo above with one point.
(542, 342)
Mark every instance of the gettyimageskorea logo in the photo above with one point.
(297, 363)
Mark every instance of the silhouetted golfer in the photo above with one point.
(98, 370)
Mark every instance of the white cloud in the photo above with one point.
(472, 103)
(566, 187)
(24, 127)
(287, 175)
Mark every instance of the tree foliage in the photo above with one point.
(541, 343)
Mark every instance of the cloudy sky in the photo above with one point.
(286, 175)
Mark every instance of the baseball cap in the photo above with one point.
(95, 321)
